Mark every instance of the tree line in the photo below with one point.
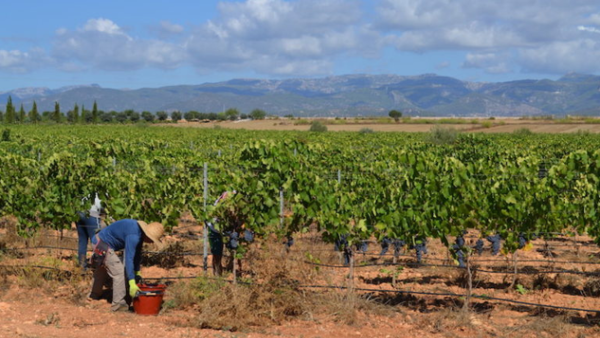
(82, 115)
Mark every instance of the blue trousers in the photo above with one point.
(85, 232)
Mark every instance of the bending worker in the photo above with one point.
(128, 235)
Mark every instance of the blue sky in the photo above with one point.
(136, 44)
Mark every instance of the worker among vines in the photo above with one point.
(87, 225)
(215, 236)
(128, 235)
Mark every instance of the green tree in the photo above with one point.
(395, 114)
(175, 116)
(76, 114)
(232, 114)
(148, 116)
(162, 116)
(134, 116)
(22, 114)
(46, 115)
(56, 115)
(83, 116)
(258, 114)
(129, 112)
(9, 117)
(106, 117)
(190, 115)
(1, 116)
(222, 116)
(95, 112)
(318, 126)
(34, 116)
(121, 117)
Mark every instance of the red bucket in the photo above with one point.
(149, 299)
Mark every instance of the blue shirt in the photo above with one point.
(126, 235)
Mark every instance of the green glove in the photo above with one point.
(133, 288)
(138, 277)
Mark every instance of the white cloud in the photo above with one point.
(171, 28)
(300, 37)
(102, 44)
(588, 29)
(11, 58)
(594, 19)
(417, 14)
(561, 57)
(427, 24)
(308, 37)
(103, 26)
(434, 14)
(166, 30)
(16, 61)
(526, 32)
(465, 37)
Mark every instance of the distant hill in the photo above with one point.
(348, 95)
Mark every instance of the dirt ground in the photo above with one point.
(36, 307)
(499, 125)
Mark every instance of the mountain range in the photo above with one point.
(347, 95)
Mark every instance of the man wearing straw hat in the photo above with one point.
(128, 235)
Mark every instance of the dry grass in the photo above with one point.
(46, 272)
(569, 282)
(449, 320)
(558, 326)
(591, 287)
(350, 308)
(269, 294)
(170, 257)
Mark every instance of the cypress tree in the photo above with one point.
(76, 114)
(22, 115)
(84, 114)
(34, 117)
(56, 115)
(10, 111)
(95, 113)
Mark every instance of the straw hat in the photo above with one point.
(154, 231)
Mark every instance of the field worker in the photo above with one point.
(87, 226)
(215, 238)
(128, 235)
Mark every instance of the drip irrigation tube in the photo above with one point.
(451, 294)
